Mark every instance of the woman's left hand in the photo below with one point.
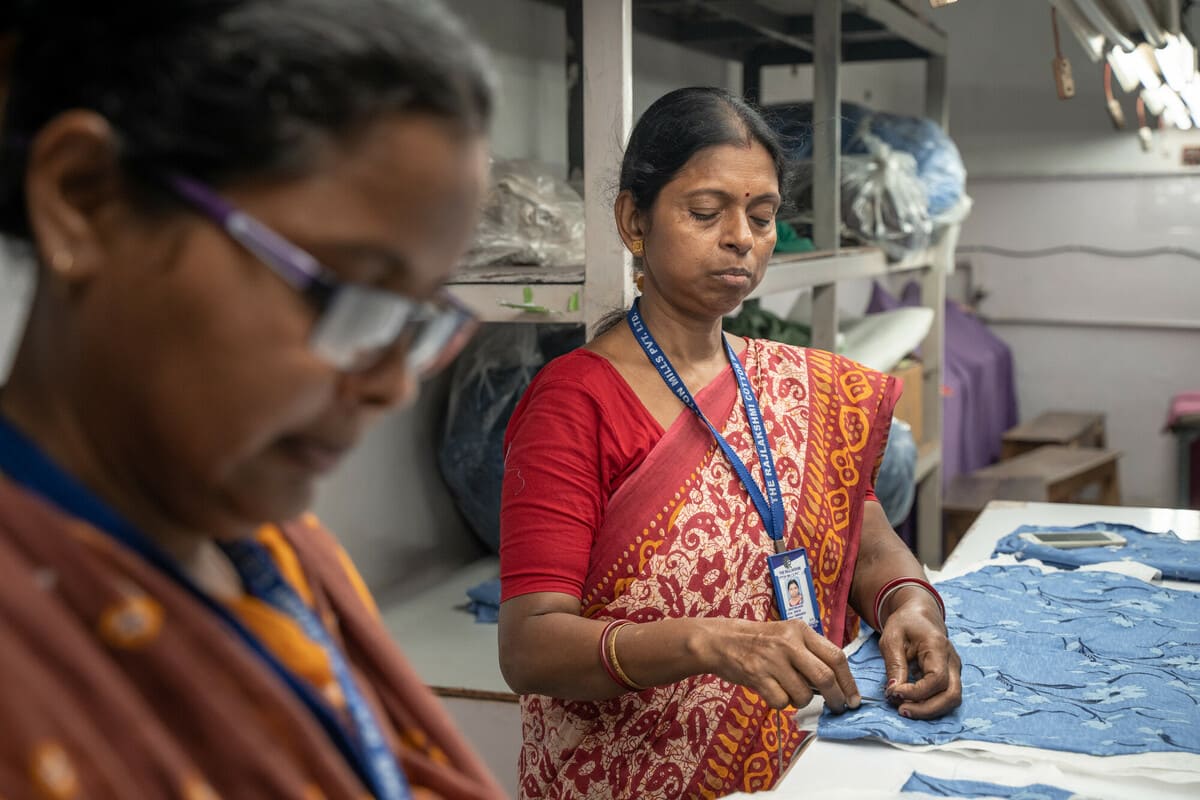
(915, 633)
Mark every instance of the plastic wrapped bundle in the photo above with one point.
(883, 202)
(938, 164)
(529, 217)
(489, 378)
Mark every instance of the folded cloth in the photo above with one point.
(919, 783)
(1184, 407)
(1178, 559)
(485, 601)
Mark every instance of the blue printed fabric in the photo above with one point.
(1085, 662)
(1176, 558)
(485, 601)
(944, 787)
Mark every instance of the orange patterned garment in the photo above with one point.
(681, 538)
(119, 684)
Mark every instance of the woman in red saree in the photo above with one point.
(619, 506)
(242, 213)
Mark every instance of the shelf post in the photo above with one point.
(827, 138)
(937, 98)
(929, 490)
(608, 116)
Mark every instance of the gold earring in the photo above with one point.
(62, 261)
(637, 248)
(639, 281)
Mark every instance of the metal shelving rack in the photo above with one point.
(756, 33)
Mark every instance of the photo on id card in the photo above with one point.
(792, 581)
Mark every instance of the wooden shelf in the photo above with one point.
(522, 293)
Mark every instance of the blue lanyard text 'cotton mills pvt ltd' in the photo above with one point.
(770, 508)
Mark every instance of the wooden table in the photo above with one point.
(1063, 428)
(1066, 471)
(968, 495)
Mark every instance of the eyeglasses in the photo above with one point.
(356, 323)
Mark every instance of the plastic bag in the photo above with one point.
(895, 486)
(883, 203)
(939, 165)
(528, 217)
(489, 379)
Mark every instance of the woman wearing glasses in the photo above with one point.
(243, 214)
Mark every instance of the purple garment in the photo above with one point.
(981, 403)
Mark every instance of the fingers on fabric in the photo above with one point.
(939, 703)
(825, 667)
(895, 658)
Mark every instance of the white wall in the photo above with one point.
(388, 503)
(1130, 374)
(1045, 172)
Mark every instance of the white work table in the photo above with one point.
(876, 770)
(459, 658)
(452, 653)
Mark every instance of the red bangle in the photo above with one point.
(898, 583)
(608, 656)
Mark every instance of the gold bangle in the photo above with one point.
(616, 665)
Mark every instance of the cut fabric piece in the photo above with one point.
(1083, 662)
(1176, 558)
(485, 601)
(919, 783)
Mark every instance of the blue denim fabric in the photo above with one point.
(1176, 558)
(944, 787)
(1084, 662)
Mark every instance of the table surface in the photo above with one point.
(456, 655)
(1055, 426)
(836, 769)
(1052, 463)
(450, 650)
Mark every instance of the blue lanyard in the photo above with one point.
(263, 580)
(770, 508)
(367, 751)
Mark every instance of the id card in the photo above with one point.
(794, 594)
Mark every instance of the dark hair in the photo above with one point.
(674, 128)
(220, 89)
(680, 124)
(793, 582)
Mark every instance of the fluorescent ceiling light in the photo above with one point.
(1177, 113)
(1099, 17)
(1154, 103)
(1090, 39)
(1124, 67)
(1191, 98)
(1147, 22)
(1146, 66)
(1177, 61)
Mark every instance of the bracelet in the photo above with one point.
(608, 656)
(895, 585)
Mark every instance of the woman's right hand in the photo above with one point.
(783, 661)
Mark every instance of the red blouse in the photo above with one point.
(577, 434)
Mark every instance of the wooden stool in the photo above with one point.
(967, 495)
(1066, 428)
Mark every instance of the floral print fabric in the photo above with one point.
(1083, 662)
(1176, 558)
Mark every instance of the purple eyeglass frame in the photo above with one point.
(393, 313)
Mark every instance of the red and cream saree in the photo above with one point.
(681, 538)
